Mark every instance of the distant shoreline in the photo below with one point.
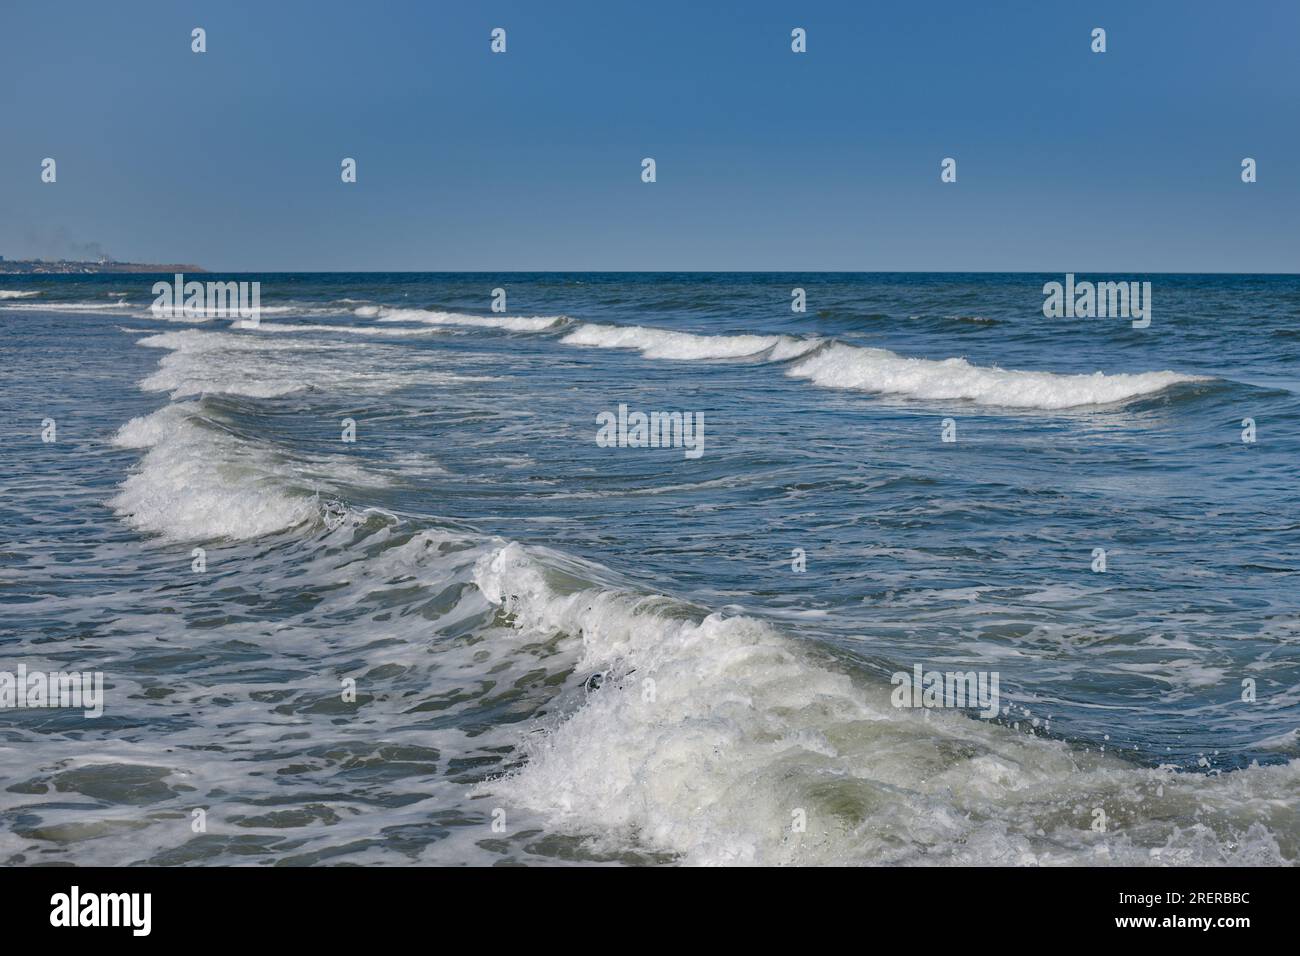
(49, 268)
(69, 267)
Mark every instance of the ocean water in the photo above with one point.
(568, 653)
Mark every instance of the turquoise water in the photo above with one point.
(606, 651)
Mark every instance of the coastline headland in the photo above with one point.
(74, 267)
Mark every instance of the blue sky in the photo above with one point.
(1067, 160)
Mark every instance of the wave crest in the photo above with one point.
(197, 482)
(709, 736)
(433, 317)
(879, 370)
(688, 346)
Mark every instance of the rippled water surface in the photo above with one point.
(606, 652)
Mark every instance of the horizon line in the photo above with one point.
(207, 271)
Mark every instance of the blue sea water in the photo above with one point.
(563, 652)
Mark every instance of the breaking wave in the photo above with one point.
(708, 736)
(428, 317)
(832, 364)
(882, 371)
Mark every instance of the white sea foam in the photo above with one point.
(394, 331)
(198, 315)
(199, 482)
(710, 736)
(15, 294)
(827, 364)
(687, 346)
(882, 371)
(219, 363)
(429, 317)
(144, 308)
(69, 306)
(837, 365)
(264, 366)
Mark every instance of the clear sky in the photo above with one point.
(1067, 160)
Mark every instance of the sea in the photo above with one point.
(390, 574)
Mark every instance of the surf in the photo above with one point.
(836, 365)
(709, 736)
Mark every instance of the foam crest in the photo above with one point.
(686, 346)
(395, 331)
(68, 306)
(207, 362)
(264, 366)
(197, 314)
(710, 735)
(16, 294)
(197, 482)
(430, 317)
(882, 371)
(836, 365)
